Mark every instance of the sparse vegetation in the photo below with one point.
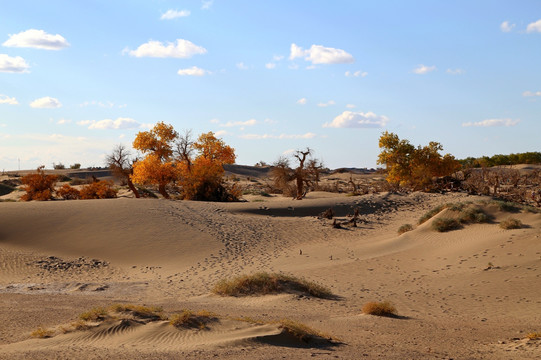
(264, 283)
(102, 189)
(68, 192)
(472, 215)
(429, 215)
(506, 205)
(301, 331)
(511, 223)
(534, 335)
(42, 333)
(189, 319)
(95, 314)
(379, 309)
(146, 312)
(404, 228)
(445, 224)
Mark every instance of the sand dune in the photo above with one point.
(468, 293)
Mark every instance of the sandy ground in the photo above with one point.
(61, 258)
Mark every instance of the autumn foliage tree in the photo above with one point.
(412, 166)
(38, 186)
(201, 176)
(157, 167)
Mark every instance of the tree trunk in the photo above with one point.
(300, 193)
(161, 189)
(133, 188)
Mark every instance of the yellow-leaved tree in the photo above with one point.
(158, 166)
(414, 167)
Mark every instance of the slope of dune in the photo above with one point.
(468, 293)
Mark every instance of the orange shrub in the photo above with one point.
(68, 192)
(38, 186)
(98, 190)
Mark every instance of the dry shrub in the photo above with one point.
(95, 314)
(68, 192)
(189, 319)
(148, 312)
(379, 309)
(264, 283)
(445, 224)
(534, 335)
(301, 331)
(511, 223)
(472, 215)
(405, 228)
(102, 189)
(431, 214)
(38, 186)
(42, 333)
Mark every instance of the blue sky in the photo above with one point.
(268, 77)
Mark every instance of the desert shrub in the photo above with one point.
(534, 335)
(98, 190)
(430, 214)
(67, 192)
(42, 333)
(95, 314)
(149, 312)
(445, 224)
(264, 283)
(511, 223)
(59, 166)
(75, 166)
(472, 215)
(379, 309)
(38, 186)
(300, 330)
(79, 181)
(189, 319)
(506, 206)
(80, 325)
(404, 228)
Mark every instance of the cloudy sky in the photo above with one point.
(268, 77)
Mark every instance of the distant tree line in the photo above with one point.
(498, 160)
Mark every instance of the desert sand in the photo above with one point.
(61, 258)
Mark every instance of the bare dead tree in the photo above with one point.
(121, 165)
(300, 171)
(184, 148)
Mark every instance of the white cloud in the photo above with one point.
(242, 66)
(206, 4)
(278, 57)
(302, 101)
(4, 99)
(534, 27)
(308, 135)
(270, 65)
(174, 14)
(46, 102)
(63, 121)
(328, 103)
(318, 54)
(531, 93)
(455, 71)
(37, 39)
(349, 119)
(107, 104)
(193, 71)
(506, 26)
(351, 106)
(423, 69)
(356, 73)
(182, 49)
(13, 64)
(270, 121)
(108, 124)
(250, 122)
(214, 121)
(492, 122)
(221, 133)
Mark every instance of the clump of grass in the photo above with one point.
(42, 333)
(264, 283)
(405, 228)
(379, 309)
(189, 319)
(301, 331)
(534, 335)
(531, 209)
(445, 224)
(147, 312)
(511, 223)
(506, 205)
(431, 214)
(457, 206)
(472, 215)
(95, 314)
(80, 325)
